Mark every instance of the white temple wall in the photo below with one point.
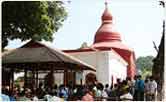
(103, 70)
(117, 70)
(107, 64)
(89, 58)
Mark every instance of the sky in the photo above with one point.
(138, 21)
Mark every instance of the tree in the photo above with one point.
(84, 45)
(36, 20)
(145, 64)
(158, 67)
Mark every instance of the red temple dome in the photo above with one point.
(107, 38)
(106, 33)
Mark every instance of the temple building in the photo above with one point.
(107, 57)
(111, 58)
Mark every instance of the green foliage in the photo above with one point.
(84, 45)
(146, 73)
(145, 63)
(18, 80)
(36, 20)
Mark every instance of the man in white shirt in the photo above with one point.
(147, 89)
(126, 96)
(152, 89)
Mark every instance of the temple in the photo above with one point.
(111, 58)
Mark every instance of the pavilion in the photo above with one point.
(36, 58)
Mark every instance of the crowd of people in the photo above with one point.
(136, 90)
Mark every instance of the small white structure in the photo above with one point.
(108, 65)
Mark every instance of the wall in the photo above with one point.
(107, 64)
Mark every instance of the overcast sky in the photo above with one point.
(138, 21)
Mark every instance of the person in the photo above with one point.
(147, 89)
(123, 86)
(35, 98)
(11, 96)
(104, 94)
(54, 97)
(39, 91)
(107, 89)
(28, 93)
(55, 89)
(153, 89)
(140, 88)
(63, 92)
(4, 98)
(88, 94)
(47, 96)
(70, 89)
(130, 83)
(22, 96)
(114, 93)
(5, 95)
(98, 92)
(132, 91)
(119, 83)
(77, 93)
(15, 92)
(95, 91)
(135, 96)
(126, 96)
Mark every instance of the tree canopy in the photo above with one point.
(145, 62)
(36, 20)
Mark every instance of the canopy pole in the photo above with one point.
(74, 78)
(33, 77)
(36, 78)
(25, 78)
(65, 77)
(12, 73)
(81, 71)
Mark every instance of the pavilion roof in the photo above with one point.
(36, 52)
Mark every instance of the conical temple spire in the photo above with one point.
(106, 32)
(107, 14)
